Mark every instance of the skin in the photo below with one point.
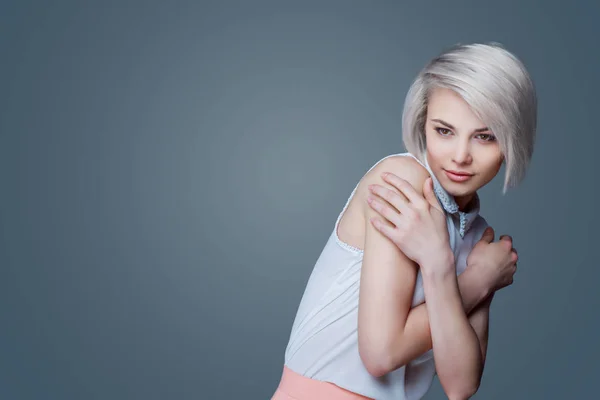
(458, 141)
(391, 332)
(419, 224)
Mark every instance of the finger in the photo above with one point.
(385, 229)
(392, 197)
(488, 235)
(430, 194)
(507, 239)
(404, 187)
(385, 210)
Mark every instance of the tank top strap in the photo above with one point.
(337, 222)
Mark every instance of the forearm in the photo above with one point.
(416, 337)
(480, 321)
(455, 344)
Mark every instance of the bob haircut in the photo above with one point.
(497, 87)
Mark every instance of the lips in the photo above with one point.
(458, 173)
(457, 176)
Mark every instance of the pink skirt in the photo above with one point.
(294, 386)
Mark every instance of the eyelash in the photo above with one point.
(490, 137)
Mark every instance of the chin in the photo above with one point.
(459, 189)
(459, 192)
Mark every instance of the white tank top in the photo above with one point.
(323, 344)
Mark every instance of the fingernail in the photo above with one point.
(385, 174)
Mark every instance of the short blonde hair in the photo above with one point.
(499, 91)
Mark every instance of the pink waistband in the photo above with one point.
(294, 386)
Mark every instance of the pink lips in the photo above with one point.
(457, 176)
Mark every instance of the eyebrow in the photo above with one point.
(479, 130)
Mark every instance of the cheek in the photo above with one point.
(498, 160)
(492, 167)
(489, 155)
(435, 147)
(433, 156)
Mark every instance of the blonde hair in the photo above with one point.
(499, 91)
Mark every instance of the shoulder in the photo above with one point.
(403, 166)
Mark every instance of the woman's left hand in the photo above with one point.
(419, 223)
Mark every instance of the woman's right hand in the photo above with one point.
(495, 261)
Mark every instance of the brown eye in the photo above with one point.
(486, 137)
(443, 131)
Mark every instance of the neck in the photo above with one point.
(465, 203)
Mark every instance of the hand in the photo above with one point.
(496, 261)
(419, 223)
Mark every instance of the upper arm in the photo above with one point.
(388, 277)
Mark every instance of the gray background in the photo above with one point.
(170, 173)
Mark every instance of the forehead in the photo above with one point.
(447, 105)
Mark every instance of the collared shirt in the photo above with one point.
(323, 343)
(465, 219)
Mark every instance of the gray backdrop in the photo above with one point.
(171, 171)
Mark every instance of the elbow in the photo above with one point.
(376, 367)
(377, 370)
(377, 361)
(464, 391)
(461, 381)
(381, 354)
(461, 395)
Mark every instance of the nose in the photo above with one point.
(462, 153)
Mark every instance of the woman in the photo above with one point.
(415, 233)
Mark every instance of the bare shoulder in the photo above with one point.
(404, 167)
(351, 229)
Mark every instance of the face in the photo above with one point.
(462, 152)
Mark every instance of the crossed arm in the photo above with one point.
(454, 321)
(415, 338)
